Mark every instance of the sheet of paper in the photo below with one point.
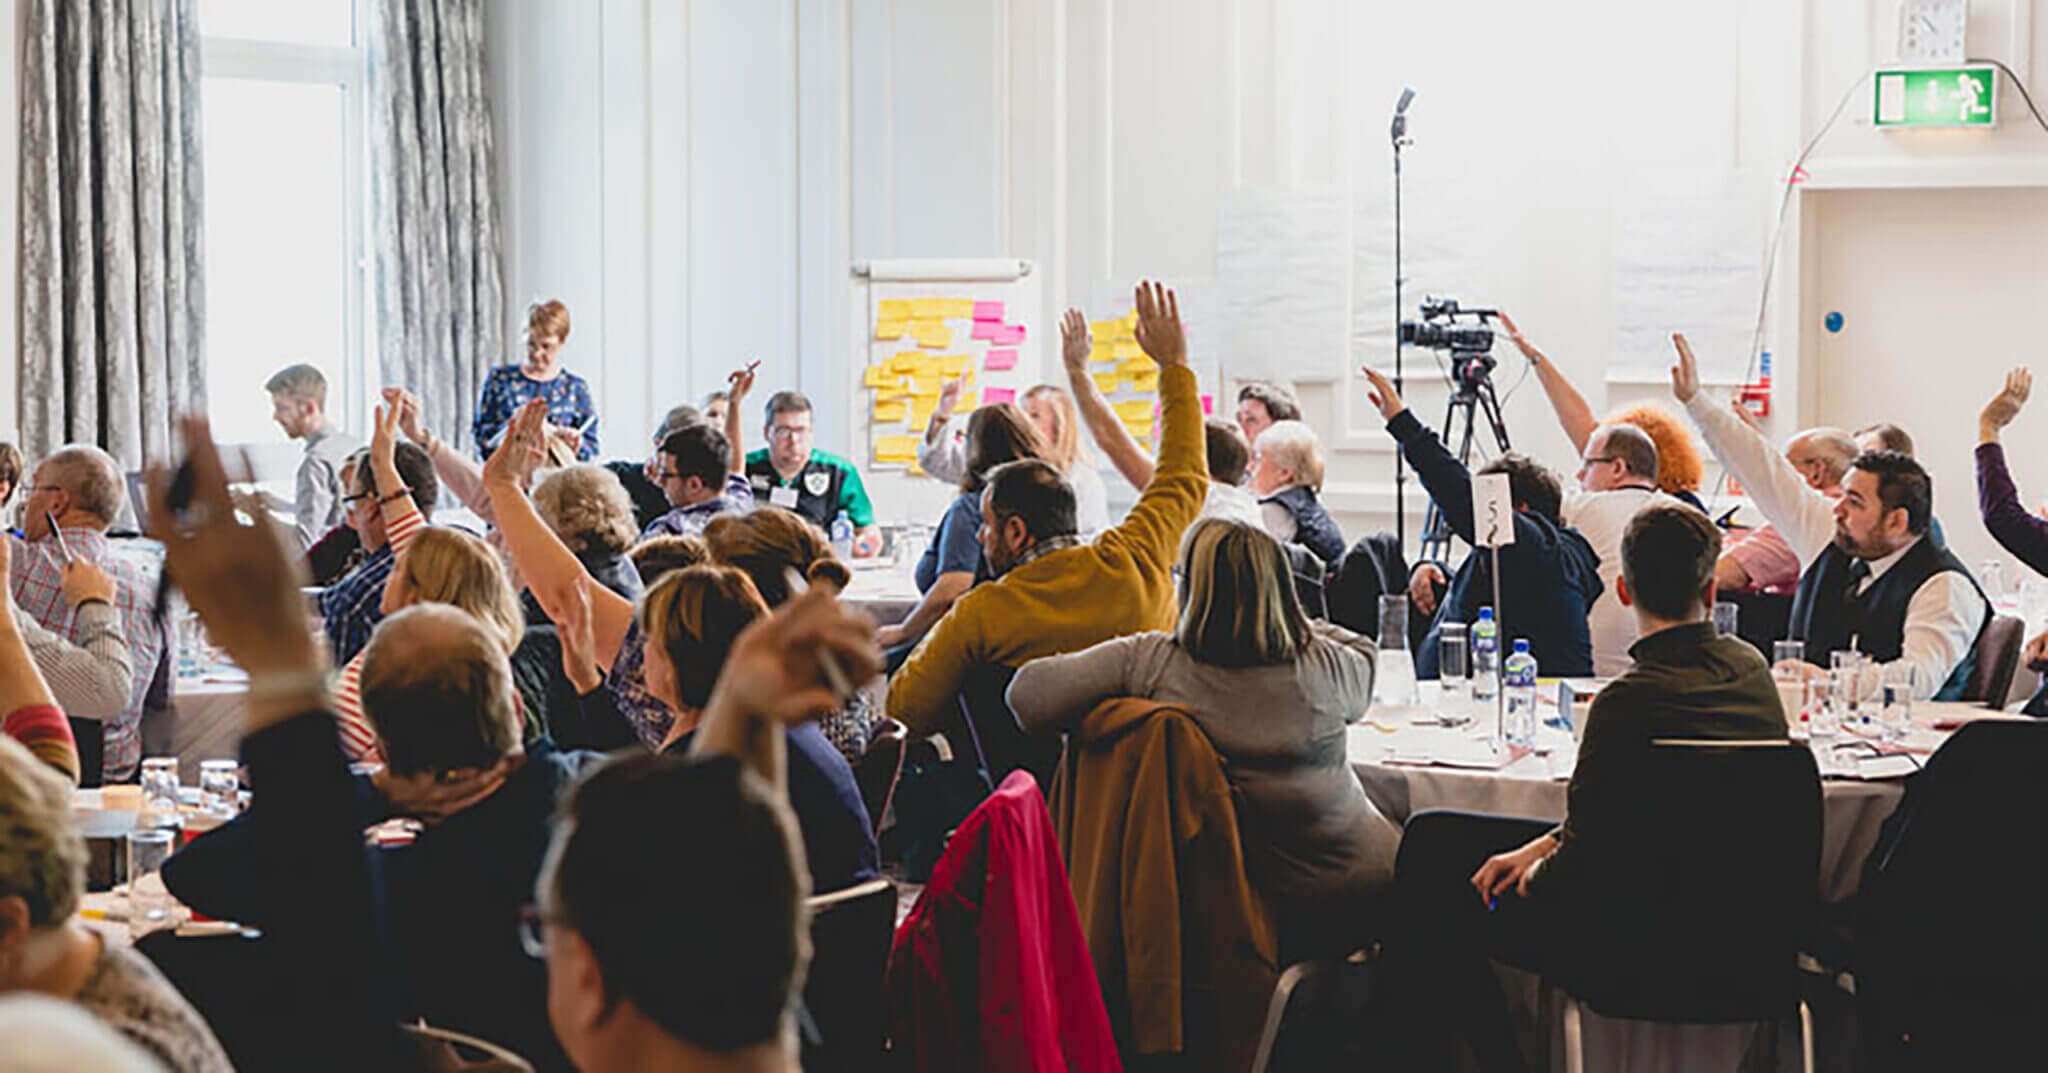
(996, 396)
(1001, 359)
(1006, 334)
(1493, 510)
(988, 311)
(891, 328)
(1686, 254)
(1282, 260)
(890, 411)
(896, 448)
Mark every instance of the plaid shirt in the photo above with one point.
(353, 606)
(737, 498)
(36, 583)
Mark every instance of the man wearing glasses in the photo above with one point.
(791, 474)
(701, 471)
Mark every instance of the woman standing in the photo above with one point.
(572, 417)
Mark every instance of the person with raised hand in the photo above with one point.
(1549, 575)
(1873, 578)
(1051, 593)
(2016, 529)
(942, 450)
(701, 471)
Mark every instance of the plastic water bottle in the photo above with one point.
(842, 538)
(1518, 674)
(1485, 661)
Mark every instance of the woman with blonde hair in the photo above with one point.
(942, 451)
(689, 621)
(1274, 692)
(572, 416)
(766, 545)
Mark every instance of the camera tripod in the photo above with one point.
(1472, 397)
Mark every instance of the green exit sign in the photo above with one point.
(1937, 97)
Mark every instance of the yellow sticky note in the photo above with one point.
(1124, 350)
(1102, 352)
(927, 308)
(1140, 429)
(956, 308)
(921, 411)
(950, 364)
(896, 448)
(877, 376)
(1108, 382)
(927, 383)
(1135, 409)
(905, 362)
(966, 402)
(890, 411)
(1144, 381)
(931, 334)
(892, 309)
(889, 329)
(916, 470)
(1134, 366)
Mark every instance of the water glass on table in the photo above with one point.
(1847, 668)
(220, 788)
(1454, 685)
(159, 792)
(150, 905)
(1895, 698)
(1786, 659)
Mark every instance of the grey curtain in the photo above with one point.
(113, 301)
(440, 297)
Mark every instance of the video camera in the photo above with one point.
(1470, 345)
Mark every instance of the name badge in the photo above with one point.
(784, 497)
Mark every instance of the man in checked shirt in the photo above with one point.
(81, 487)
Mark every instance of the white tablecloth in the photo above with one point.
(886, 591)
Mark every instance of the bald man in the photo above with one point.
(1762, 560)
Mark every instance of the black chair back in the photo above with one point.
(1998, 658)
(989, 729)
(1948, 943)
(1309, 580)
(92, 748)
(1372, 568)
(1691, 899)
(876, 770)
(844, 994)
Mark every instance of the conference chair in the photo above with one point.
(1998, 658)
(878, 767)
(844, 997)
(1693, 908)
(90, 735)
(1308, 580)
(1373, 567)
(1949, 962)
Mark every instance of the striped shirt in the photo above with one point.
(47, 734)
(358, 741)
(37, 584)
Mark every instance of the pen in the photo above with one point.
(834, 673)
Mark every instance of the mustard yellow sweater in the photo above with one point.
(1070, 599)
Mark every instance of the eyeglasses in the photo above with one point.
(784, 432)
(533, 932)
(658, 475)
(350, 501)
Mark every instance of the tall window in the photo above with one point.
(284, 100)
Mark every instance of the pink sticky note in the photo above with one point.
(986, 329)
(988, 311)
(1001, 359)
(1005, 334)
(1208, 405)
(997, 395)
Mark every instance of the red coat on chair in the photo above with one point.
(990, 970)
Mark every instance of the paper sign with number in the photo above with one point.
(1493, 511)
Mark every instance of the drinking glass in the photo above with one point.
(149, 901)
(220, 788)
(1991, 576)
(1726, 615)
(1396, 683)
(1783, 652)
(1787, 659)
(1847, 667)
(1454, 686)
(1895, 696)
(1822, 713)
(159, 792)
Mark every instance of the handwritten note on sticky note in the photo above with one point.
(996, 396)
(889, 329)
(1001, 359)
(896, 448)
(956, 308)
(928, 308)
(951, 364)
(988, 311)
(931, 334)
(890, 412)
(892, 309)
(1144, 381)
(1006, 334)
(906, 361)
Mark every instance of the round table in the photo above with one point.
(885, 590)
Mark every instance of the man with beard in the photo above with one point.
(1051, 593)
(1872, 579)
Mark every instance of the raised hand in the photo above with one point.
(949, 398)
(1383, 395)
(1685, 376)
(1521, 341)
(519, 450)
(408, 406)
(1160, 334)
(240, 578)
(1076, 342)
(2004, 406)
